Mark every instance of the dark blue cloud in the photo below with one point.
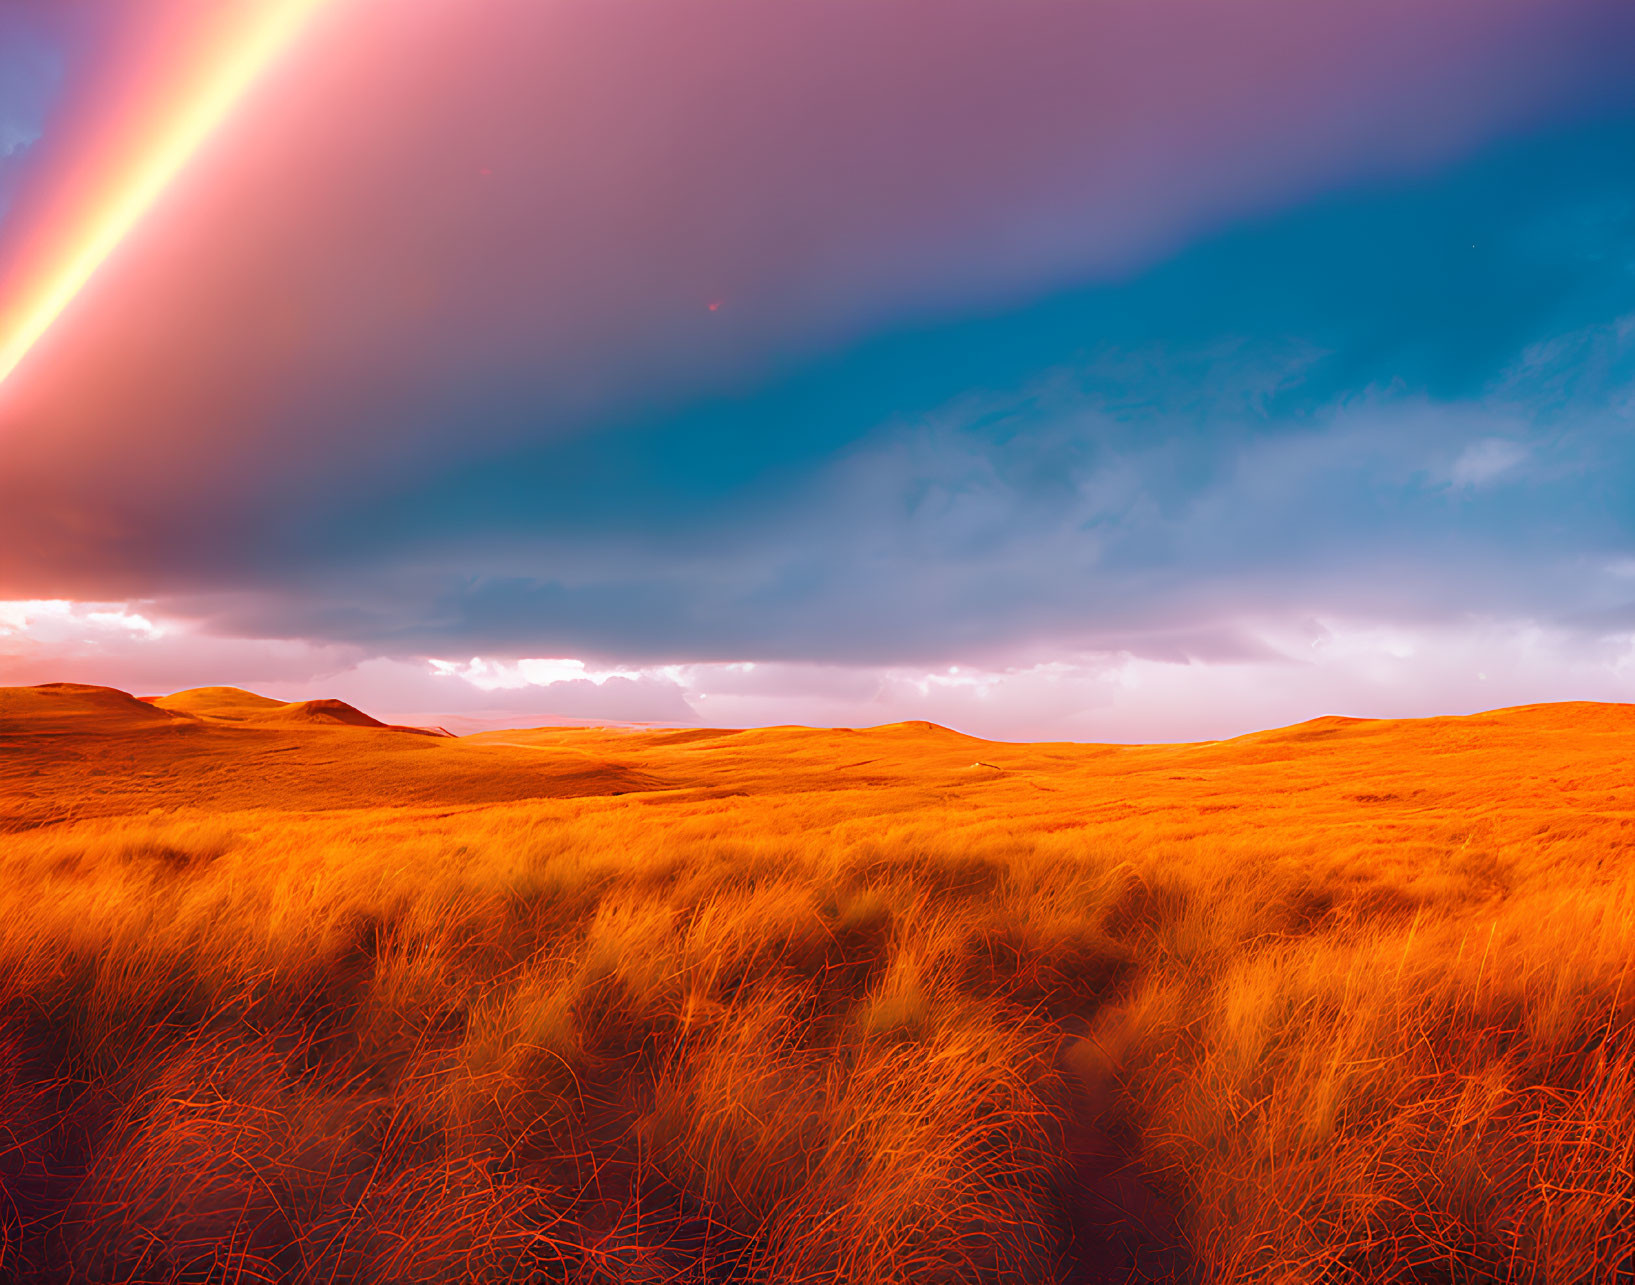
(1438, 289)
(1409, 399)
(31, 71)
(1414, 399)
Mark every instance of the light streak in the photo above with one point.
(246, 58)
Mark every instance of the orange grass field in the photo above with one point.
(292, 996)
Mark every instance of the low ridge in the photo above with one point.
(77, 707)
(231, 703)
(319, 711)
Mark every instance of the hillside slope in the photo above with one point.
(1343, 1002)
(68, 751)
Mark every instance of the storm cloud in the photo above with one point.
(857, 335)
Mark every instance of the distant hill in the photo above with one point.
(74, 749)
(235, 705)
(1255, 999)
(71, 750)
(65, 708)
(332, 712)
(231, 703)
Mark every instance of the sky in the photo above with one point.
(1118, 370)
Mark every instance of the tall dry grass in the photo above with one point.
(748, 1039)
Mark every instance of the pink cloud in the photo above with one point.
(1305, 668)
(336, 288)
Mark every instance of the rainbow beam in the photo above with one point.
(200, 113)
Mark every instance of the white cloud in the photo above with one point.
(1298, 668)
(47, 620)
(500, 675)
(1486, 460)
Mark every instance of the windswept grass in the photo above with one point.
(904, 1033)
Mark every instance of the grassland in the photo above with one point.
(287, 998)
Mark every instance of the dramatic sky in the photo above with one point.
(1053, 369)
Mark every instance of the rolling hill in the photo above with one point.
(293, 990)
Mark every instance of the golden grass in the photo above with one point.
(1349, 1002)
